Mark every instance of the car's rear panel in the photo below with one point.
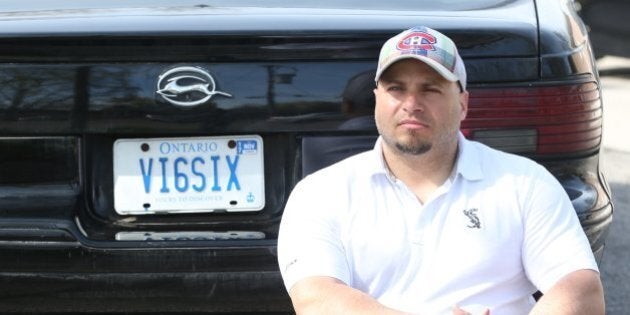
(73, 82)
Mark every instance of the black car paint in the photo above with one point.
(609, 29)
(73, 82)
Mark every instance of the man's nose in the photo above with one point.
(413, 102)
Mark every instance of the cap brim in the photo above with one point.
(447, 74)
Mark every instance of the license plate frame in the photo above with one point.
(188, 175)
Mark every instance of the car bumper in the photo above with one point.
(65, 276)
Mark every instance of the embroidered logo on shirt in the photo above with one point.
(474, 219)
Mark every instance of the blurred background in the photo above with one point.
(615, 267)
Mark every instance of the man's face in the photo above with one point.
(416, 108)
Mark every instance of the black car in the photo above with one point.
(147, 148)
(608, 27)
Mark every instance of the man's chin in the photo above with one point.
(413, 148)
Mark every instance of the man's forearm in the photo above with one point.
(324, 295)
(580, 292)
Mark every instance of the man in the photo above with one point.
(429, 222)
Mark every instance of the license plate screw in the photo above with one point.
(144, 147)
(231, 144)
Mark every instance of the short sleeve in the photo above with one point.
(308, 242)
(554, 242)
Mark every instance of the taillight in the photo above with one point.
(546, 120)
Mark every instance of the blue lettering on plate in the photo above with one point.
(233, 179)
(193, 173)
(146, 175)
(246, 146)
(198, 174)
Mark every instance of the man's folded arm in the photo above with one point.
(579, 292)
(327, 295)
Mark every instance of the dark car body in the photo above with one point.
(609, 30)
(78, 77)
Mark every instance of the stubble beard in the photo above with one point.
(416, 145)
(413, 148)
(412, 145)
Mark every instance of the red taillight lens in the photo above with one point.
(546, 120)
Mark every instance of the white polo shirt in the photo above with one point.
(497, 230)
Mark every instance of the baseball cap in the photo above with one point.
(427, 45)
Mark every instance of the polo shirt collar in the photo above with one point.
(468, 163)
(377, 161)
(468, 160)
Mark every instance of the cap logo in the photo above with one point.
(417, 41)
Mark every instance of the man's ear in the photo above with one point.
(463, 103)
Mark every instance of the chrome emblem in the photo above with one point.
(187, 86)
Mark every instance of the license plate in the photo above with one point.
(184, 175)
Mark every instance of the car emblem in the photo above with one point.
(187, 86)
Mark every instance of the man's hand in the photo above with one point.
(458, 311)
(579, 292)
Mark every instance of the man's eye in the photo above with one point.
(394, 88)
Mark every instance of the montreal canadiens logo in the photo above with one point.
(417, 41)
